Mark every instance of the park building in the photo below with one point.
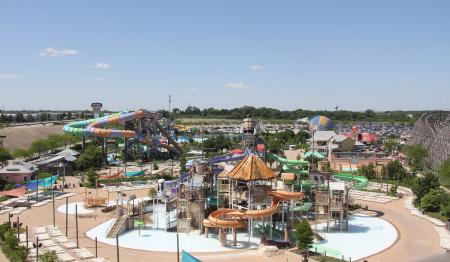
(19, 171)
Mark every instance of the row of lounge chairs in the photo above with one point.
(51, 239)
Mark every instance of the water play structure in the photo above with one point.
(140, 126)
(237, 194)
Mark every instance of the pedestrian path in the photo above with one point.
(439, 226)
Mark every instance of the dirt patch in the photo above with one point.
(22, 136)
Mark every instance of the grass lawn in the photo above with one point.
(437, 215)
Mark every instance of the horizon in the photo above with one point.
(384, 56)
(105, 109)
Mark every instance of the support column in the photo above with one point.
(222, 237)
(206, 232)
(234, 237)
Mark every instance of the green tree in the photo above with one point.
(393, 190)
(152, 192)
(39, 146)
(10, 244)
(3, 183)
(304, 235)
(395, 170)
(43, 174)
(48, 256)
(444, 172)
(5, 155)
(390, 144)
(417, 154)
(69, 140)
(445, 211)
(434, 200)
(92, 177)
(368, 171)
(183, 163)
(25, 153)
(54, 141)
(423, 185)
(90, 158)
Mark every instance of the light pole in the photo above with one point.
(63, 167)
(170, 101)
(53, 200)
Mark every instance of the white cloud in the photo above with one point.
(405, 80)
(193, 90)
(256, 67)
(98, 79)
(50, 51)
(99, 66)
(102, 66)
(10, 76)
(238, 85)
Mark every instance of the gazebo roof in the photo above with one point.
(249, 169)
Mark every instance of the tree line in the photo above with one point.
(233, 113)
(272, 113)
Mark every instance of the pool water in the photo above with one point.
(366, 236)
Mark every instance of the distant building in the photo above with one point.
(353, 161)
(365, 138)
(19, 171)
(321, 141)
(343, 143)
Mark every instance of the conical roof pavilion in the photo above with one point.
(249, 169)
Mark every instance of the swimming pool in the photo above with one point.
(366, 236)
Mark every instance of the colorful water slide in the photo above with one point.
(96, 128)
(233, 218)
(283, 160)
(360, 181)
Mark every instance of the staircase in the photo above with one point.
(117, 226)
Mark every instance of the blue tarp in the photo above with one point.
(45, 182)
(136, 173)
(186, 257)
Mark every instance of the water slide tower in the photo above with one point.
(96, 108)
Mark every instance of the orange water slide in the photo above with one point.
(221, 219)
(114, 175)
(233, 218)
(281, 195)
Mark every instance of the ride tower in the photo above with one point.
(251, 141)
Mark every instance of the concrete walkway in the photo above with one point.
(418, 240)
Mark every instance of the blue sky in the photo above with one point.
(382, 55)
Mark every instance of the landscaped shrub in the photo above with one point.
(10, 244)
(304, 235)
(434, 201)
